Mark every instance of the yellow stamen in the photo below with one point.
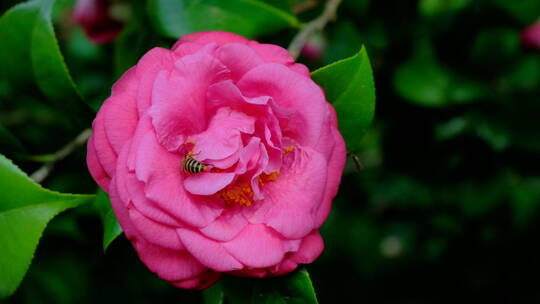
(263, 178)
(288, 149)
(241, 192)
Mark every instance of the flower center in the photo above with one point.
(241, 192)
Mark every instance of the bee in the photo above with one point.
(193, 166)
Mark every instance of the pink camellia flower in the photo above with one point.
(95, 18)
(261, 132)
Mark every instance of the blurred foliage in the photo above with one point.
(446, 207)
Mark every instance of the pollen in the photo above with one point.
(288, 150)
(239, 193)
(264, 178)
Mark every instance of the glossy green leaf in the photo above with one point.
(214, 294)
(349, 86)
(250, 18)
(111, 227)
(16, 27)
(293, 288)
(25, 210)
(29, 47)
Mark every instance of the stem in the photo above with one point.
(313, 26)
(41, 174)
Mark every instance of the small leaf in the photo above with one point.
(435, 8)
(30, 56)
(423, 81)
(293, 288)
(348, 85)
(111, 227)
(250, 18)
(214, 294)
(25, 210)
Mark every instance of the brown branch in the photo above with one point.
(313, 26)
(41, 174)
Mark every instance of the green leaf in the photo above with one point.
(25, 210)
(111, 227)
(434, 8)
(214, 294)
(294, 288)
(423, 81)
(16, 27)
(250, 18)
(525, 11)
(349, 86)
(29, 47)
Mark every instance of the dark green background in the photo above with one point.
(445, 209)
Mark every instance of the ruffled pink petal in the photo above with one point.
(211, 37)
(300, 181)
(154, 61)
(201, 281)
(310, 249)
(155, 233)
(160, 171)
(227, 162)
(300, 69)
(225, 227)
(186, 48)
(207, 183)
(120, 211)
(325, 144)
(170, 265)
(273, 148)
(223, 136)
(261, 164)
(105, 154)
(290, 91)
(256, 246)
(271, 52)
(152, 210)
(285, 267)
(249, 156)
(239, 58)
(227, 94)
(121, 115)
(131, 191)
(181, 112)
(95, 168)
(336, 163)
(208, 252)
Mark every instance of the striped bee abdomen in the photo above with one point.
(192, 166)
